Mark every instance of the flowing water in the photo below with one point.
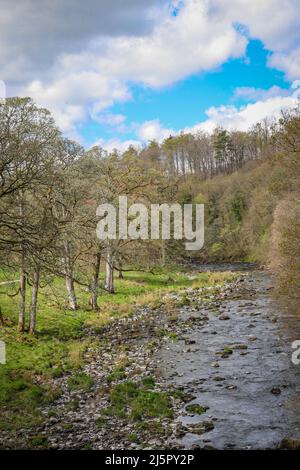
(254, 394)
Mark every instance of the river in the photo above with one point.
(253, 391)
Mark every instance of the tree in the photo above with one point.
(67, 195)
(28, 138)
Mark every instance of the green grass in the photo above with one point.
(73, 405)
(196, 409)
(136, 402)
(117, 374)
(80, 381)
(59, 344)
(148, 382)
(38, 441)
(19, 399)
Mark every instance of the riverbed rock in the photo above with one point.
(252, 338)
(224, 317)
(200, 428)
(238, 346)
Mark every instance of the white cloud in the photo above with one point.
(33, 34)
(288, 62)
(146, 131)
(141, 39)
(86, 55)
(74, 98)
(275, 23)
(242, 118)
(153, 130)
(96, 77)
(254, 94)
(188, 43)
(109, 119)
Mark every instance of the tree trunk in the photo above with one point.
(21, 325)
(69, 278)
(71, 292)
(34, 299)
(109, 284)
(95, 283)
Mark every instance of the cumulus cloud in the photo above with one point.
(243, 117)
(80, 58)
(96, 76)
(275, 23)
(153, 130)
(288, 62)
(145, 132)
(76, 97)
(33, 33)
(190, 42)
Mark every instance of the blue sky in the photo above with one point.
(119, 73)
(184, 103)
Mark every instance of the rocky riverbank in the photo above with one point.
(204, 369)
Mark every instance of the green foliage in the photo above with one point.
(151, 405)
(196, 409)
(17, 390)
(20, 398)
(239, 214)
(253, 213)
(148, 382)
(117, 374)
(38, 441)
(73, 405)
(238, 205)
(135, 401)
(80, 381)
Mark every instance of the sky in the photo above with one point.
(122, 72)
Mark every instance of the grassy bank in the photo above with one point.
(61, 341)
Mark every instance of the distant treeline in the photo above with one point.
(206, 155)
